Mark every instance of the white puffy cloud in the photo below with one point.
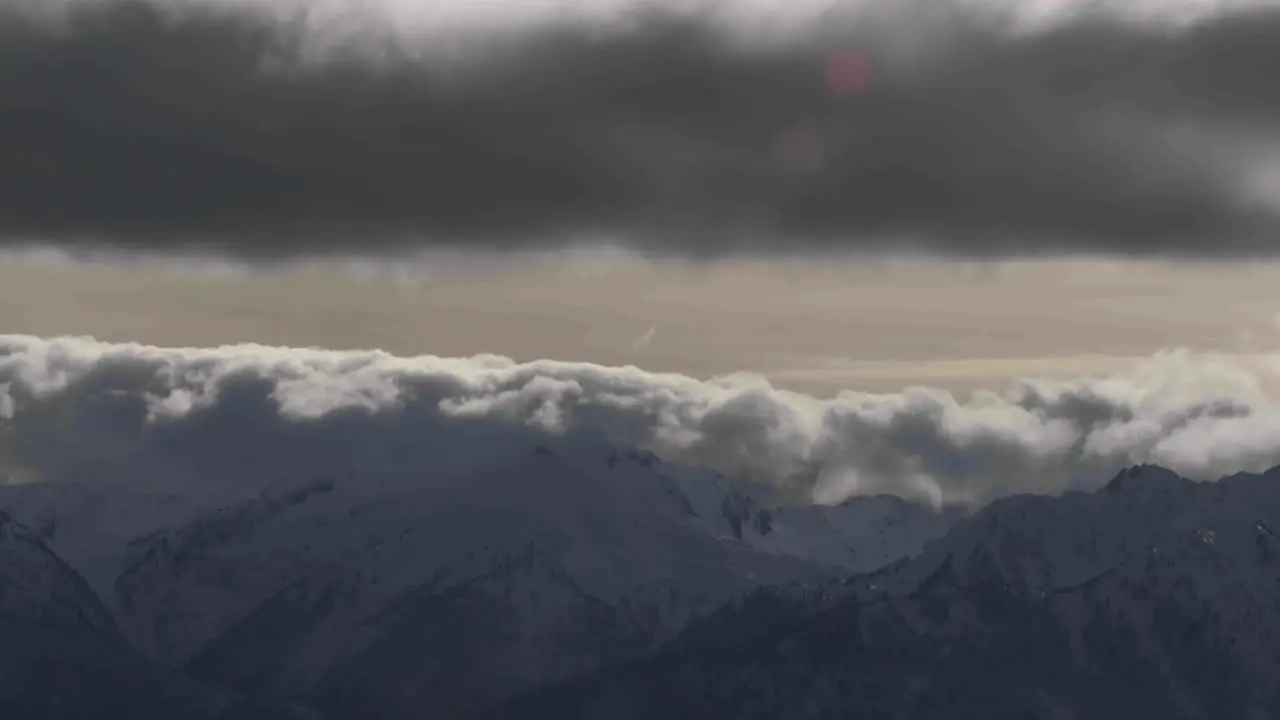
(76, 404)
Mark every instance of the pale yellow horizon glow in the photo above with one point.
(809, 327)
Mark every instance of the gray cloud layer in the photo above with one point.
(172, 125)
(78, 406)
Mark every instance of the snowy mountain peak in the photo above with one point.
(37, 586)
(1152, 597)
(1145, 479)
(643, 458)
(1047, 544)
(288, 579)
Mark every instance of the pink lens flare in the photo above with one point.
(848, 73)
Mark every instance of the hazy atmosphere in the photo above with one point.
(636, 359)
(831, 203)
(815, 327)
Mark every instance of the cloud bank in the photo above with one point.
(282, 129)
(78, 407)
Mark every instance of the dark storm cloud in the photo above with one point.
(199, 129)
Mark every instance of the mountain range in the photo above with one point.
(568, 577)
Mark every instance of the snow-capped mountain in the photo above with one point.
(582, 580)
(91, 522)
(61, 655)
(36, 586)
(1140, 517)
(530, 563)
(1152, 597)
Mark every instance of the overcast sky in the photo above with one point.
(273, 127)
(815, 327)
(841, 197)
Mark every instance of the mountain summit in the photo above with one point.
(580, 580)
(1153, 597)
(454, 586)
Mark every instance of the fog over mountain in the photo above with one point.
(295, 560)
(272, 408)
